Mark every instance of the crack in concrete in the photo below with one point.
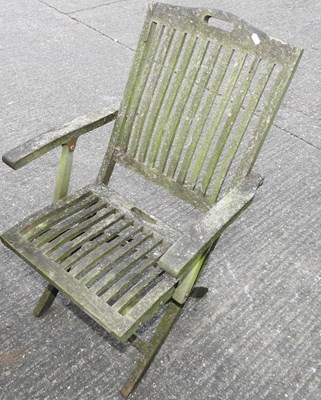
(88, 26)
(99, 5)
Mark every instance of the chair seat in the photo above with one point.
(101, 256)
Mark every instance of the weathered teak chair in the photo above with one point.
(199, 102)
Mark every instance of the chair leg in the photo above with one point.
(61, 189)
(64, 170)
(186, 287)
(45, 300)
(199, 292)
(150, 349)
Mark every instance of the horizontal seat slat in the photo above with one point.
(63, 226)
(151, 301)
(100, 252)
(141, 265)
(117, 253)
(51, 215)
(113, 231)
(128, 297)
(53, 247)
(63, 252)
(112, 259)
(87, 301)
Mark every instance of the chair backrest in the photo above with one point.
(201, 96)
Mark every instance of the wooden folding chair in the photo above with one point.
(202, 94)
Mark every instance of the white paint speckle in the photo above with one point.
(255, 39)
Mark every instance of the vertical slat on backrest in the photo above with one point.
(199, 101)
(202, 153)
(141, 78)
(141, 117)
(119, 136)
(161, 93)
(226, 163)
(192, 110)
(226, 130)
(182, 101)
(204, 114)
(265, 120)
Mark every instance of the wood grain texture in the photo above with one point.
(36, 147)
(194, 90)
(98, 256)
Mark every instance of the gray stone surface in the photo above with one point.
(256, 335)
(72, 6)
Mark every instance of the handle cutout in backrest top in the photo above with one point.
(219, 23)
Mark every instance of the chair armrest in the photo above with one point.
(36, 147)
(199, 238)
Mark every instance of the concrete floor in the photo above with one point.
(257, 333)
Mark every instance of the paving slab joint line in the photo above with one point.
(296, 136)
(88, 26)
(131, 49)
(294, 108)
(98, 6)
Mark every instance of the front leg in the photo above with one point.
(45, 300)
(61, 190)
(186, 286)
